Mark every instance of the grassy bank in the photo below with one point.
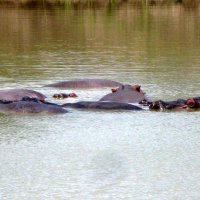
(93, 3)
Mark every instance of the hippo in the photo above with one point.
(64, 96)
(18, 94)
(126, 94)
(102, 105)
(179, 104)
(30, 105)
(85, 84)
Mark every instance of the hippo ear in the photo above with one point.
(73, 94)
(136, 87)
(114, 89)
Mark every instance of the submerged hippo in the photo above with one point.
(64, 96)
(102, 105)
(18, 94)
(85, 84)
(30, 105)
(170, 105)
(179, 104)
(125, 94)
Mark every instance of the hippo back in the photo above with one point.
(102, 105)
(124, 96)
(30, 107)
(18, 94)
(85, 83)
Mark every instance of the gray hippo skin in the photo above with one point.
(30, 107)
(125, 94)
(18, 94)
(102, 105)
(85, 84)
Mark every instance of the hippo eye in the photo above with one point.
(55, 96)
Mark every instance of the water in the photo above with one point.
(104, 154)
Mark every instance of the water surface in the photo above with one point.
(104, 154)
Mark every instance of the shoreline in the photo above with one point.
(78, 4)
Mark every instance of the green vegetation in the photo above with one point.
(94, 3)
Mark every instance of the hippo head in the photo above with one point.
(158, 105)
(64, 96)
(192, 103)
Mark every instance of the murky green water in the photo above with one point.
(101, 155)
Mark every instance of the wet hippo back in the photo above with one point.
(30, 107)
(85, 83)
(102, 105)
(124, 97)
(18, 94)
(125, 94)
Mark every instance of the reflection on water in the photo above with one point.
(101, 155)
(155, 47)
